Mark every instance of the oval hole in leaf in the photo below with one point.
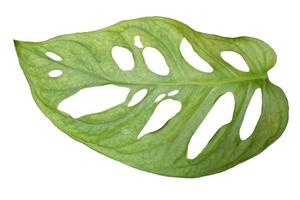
(53, 56)
(137, 42)
(220, 114)
(236, 60)
(173, 93)
(164, 112)
(252, 115)
(137, 97)
(94, 99)
(192, 57)
(155, 61)
(160, 97)
(123, 57)
(55, 73)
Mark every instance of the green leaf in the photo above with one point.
(87, 61)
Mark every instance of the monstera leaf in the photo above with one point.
(87, 61)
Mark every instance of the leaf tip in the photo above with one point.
(17, 44)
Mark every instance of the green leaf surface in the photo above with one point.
(87, 61)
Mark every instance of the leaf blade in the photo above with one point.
(87, 61)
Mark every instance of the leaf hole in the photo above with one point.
(137, 97)
(123, 57)
(193, 58)
(235, 60)
(173, 93)
(160, 97)
(53, 56)
(252, 115)
(93, 99)
(165, 110)
(220, 114)
(55, 73)
(155, 61)
(137, 42)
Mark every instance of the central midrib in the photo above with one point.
(194, 83)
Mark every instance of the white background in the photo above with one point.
(37, 161)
